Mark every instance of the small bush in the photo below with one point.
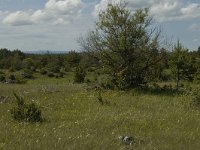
(67, 68)
(50, 74)
(43, 71)
(106, 82)
(196, 98)
(100, 98)
(11, 69)
(26, 112)
(54, 69)
(88, 81)
(61, 74)
(27, 74)
(2, 78)
(79, 75)
(12, 77)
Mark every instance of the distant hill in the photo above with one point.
(45, 52)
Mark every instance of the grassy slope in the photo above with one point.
(75, 119)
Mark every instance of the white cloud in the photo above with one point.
(165, 11)
(64, 7)
(40, 16)
(162, 10)
(18, 18)
(55, 11)
(191, 11)
(65, 11)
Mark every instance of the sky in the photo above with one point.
(31, 25)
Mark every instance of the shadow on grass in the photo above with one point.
(151, 89)
(158, 90)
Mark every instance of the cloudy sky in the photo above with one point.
(56, 24)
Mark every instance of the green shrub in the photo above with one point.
(100, 98)
(196, 98)
(2, 78)
(55, 69)
(26, 112)
(12, 77)
(43, 71)
(50, 74)
(105, 82)
(166, 75)
(67, 68)
(28, 74)
(61, 75)
(11, 69)
(79, 75)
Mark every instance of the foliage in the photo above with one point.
(80, 74)
(2, 78)
(27, 74)
(196, 97)
(198, 50)
(179, 62)
(12, 77)
(29, 64)
(73, 58)
(100, 98)
(105, 81)
(50, 74)
(126, 43)
(166, 75)
(26, 112)
(11, 59)
(53, 68)
(43, 71)
(197, 66)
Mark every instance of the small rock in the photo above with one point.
(3, 99)
(9, 81)
(128, 140)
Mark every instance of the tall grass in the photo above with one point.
(75, 120)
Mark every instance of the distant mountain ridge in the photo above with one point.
(45, 52)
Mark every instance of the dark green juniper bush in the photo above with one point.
(80, 74)
(25, 112)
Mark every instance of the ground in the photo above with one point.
(74, 118)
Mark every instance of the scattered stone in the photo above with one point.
(3, 99)
(9, 81)
(26, 75)
(128, 140)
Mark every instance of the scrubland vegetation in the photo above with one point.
(75, 119)
(123, 83)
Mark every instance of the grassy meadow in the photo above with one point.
(75, 120)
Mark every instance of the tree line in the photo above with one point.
(178, 64)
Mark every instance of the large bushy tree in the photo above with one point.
(126, 43)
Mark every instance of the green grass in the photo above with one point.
(74, 119)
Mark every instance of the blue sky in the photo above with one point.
(57, 24)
